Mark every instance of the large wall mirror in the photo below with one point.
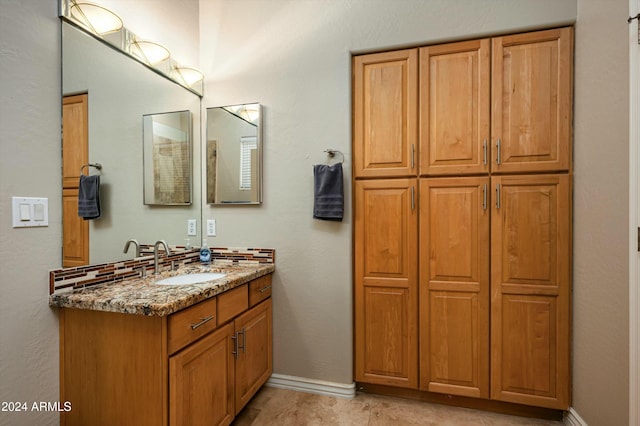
(234, 155)
(120, 92)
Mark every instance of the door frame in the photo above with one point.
(634, 218)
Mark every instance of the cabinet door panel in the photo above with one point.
(389, 356)
(255, 363)
(75, 137)
(532, 90)
(386, 282)
(530, 287)
(385, 118)
(454, 286)
(529, 344)
(201, 381)
(454, 108)
(75, 237)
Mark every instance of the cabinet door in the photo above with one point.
(385, 115)
(454, 108)
(454, 286)
(75, 239)
(386, 297)
(530, 290)
(201, 381)
(532, 90)
(75, 137)
(254, 363)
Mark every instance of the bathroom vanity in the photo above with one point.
(137, 352)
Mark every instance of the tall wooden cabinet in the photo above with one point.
(487, 288)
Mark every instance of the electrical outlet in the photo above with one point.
(191, 227)
(211, 227)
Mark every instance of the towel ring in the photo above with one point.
(96, 165)
(332, 153)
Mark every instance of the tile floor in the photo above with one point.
(282, 407)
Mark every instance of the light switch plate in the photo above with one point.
(30, 212)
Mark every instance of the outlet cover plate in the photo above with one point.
(211, 227)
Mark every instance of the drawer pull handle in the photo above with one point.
(236, 343)
(263, 289)
(202, 322)
(244, 341)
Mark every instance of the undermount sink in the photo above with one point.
(191, 278)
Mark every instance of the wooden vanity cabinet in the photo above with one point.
(201, 381)
(253, 352)
(214, 378)
(200, 365)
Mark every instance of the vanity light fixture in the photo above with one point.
(248, 112)
(149, 52)
(97, 19)
(107, 26)
(188, 76)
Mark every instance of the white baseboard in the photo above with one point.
(320, 387)
(572, 418)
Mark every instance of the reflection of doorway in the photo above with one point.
(75, 153)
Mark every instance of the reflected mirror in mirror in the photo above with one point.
(120, 91)
(167, 158)
(234, 154)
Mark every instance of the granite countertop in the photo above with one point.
(142, 296)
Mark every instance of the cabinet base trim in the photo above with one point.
(320, 387)
(572, 418)
(465, 401)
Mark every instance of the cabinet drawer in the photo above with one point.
(232, 303)
(190, 324)
(259, 289)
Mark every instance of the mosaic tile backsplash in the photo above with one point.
(67, 279)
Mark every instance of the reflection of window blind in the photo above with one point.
(247, 145)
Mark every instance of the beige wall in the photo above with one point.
(294, 57)
(29, 166)
(601, 206)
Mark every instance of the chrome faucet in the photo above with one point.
(128, 243)
(156, 269)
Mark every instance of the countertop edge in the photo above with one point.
(159, 301)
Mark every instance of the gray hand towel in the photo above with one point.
(328, 200)
(89, 197)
